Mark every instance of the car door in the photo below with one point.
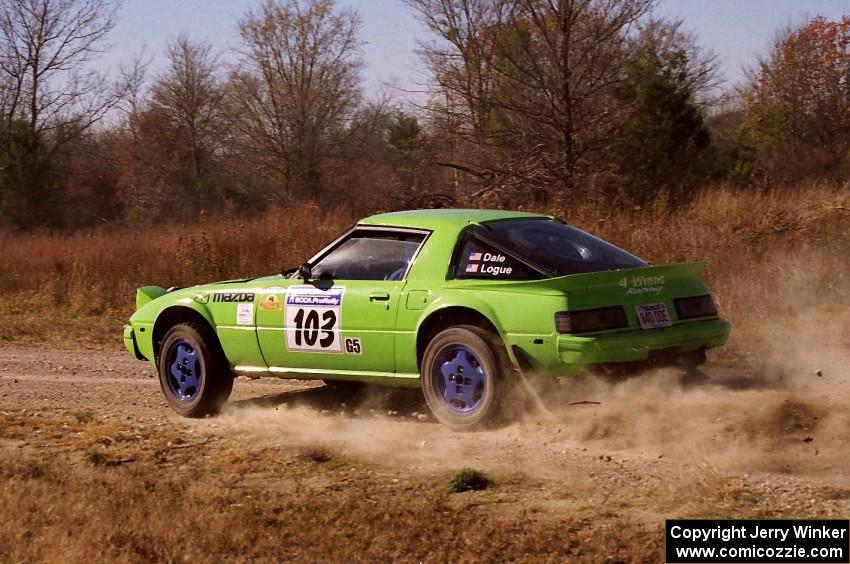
(342, 320)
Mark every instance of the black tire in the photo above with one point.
(483, 398)
(194, 349)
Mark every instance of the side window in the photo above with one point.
(478, 260)
(369, 255)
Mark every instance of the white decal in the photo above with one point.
(473, 265)
(245, 314)
(637, 285)
(496, 270)
(313, 318)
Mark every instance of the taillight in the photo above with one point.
(588, 320)
(698, 306)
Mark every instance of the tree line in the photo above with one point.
(529, 103)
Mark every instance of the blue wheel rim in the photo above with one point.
(459, 379)
(185, 374)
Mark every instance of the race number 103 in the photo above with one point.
(308, 328)
(313, 319)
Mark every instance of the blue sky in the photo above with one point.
(735, 30)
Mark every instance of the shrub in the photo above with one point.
(468, 479)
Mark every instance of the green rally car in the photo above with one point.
(459, 302)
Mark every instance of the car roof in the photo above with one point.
(442, 218)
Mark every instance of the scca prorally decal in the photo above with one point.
(295, 297)
(487, 263)
(231, 297)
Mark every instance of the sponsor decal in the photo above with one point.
(271, 303)
(637, 285)
(313, 319)
(298, 296)
(231, 297)
(245, 314)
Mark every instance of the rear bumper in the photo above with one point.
(575, 352)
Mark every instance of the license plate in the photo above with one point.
(652, 316)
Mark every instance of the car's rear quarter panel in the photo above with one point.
(524, 313)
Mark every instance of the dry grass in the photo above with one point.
(97, 272)
(757, 246)
(94, 491)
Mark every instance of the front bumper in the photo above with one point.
(130, 342)
(638, 345)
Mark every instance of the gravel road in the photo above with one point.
(650, 440)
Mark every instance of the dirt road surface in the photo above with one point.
(95, 466)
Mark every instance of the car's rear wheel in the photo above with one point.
(462, 377)
(193, 371)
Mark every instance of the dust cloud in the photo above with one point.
(777, 403)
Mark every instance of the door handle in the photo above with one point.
(379, 296)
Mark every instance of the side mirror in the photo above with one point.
(305, 272)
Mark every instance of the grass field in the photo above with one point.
(766, 253)
(215, 500)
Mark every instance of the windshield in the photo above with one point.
(556, 248)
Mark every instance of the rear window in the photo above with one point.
(536, 248)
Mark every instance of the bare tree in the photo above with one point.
(126, 138)
(190, 95)
(667, 38)
(49, 94)
(553, 66)
(560, 73)
(299, 84)
(44, 48)
(463, 60)
(134, 87)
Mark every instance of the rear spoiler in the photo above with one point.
(147, 294)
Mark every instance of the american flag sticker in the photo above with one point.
(475, 256)
(472, 268)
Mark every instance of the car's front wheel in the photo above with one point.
(193, 372)
(462, 376)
